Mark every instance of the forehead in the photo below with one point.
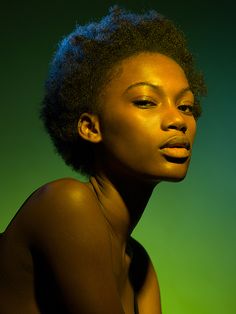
(154, 68)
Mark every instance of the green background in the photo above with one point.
(188, 228)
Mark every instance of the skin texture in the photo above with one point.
(66, 251)
(152, 123)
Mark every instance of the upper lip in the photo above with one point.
(177, 141)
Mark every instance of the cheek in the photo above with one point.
(191, 128)
(127, 137)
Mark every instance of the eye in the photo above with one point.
(186, 108)
(144, 103)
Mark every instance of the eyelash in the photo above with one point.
(144, 103)
(186, 108)
(190, 108)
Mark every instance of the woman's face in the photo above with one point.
(146, 119)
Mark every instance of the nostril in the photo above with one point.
(173, 127)
(181, 127)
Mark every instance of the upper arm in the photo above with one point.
(145, 281)
(71, 235)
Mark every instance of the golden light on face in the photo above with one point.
(146, 120)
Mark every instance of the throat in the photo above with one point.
(123, 202)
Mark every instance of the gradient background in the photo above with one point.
(188, 228)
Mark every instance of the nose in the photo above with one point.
(174, 120)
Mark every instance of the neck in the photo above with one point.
(123, 202)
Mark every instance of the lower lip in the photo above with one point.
(175, 152)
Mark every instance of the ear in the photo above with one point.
(89, 128)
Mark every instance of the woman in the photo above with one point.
(121, 104)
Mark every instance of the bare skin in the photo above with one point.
(67, 250)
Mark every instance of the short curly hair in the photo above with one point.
(82, 66)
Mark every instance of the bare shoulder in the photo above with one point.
(65, 189)
(62, 203)
(144, 280)
(63, 212)
(49, 199)
(67, 231)
(61, 193)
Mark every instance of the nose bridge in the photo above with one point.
(172, 117)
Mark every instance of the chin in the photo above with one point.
(175, 176)
(174, 179)
(165, 177)
(174, 171)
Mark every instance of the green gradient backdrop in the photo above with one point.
(188, 228)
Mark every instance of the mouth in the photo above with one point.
(177, 148)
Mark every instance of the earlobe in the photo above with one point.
(89, 128)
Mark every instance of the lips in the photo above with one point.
(176, 147)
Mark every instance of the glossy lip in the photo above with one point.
(176, 141)
(176, 147)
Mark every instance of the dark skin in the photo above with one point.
(66, 251)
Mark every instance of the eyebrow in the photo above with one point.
(158, 88)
